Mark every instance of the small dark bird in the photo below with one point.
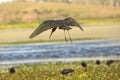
(98, 62)
(64, 24)
(84, 64)
(109, 62)
(66, 71)
(12, 70)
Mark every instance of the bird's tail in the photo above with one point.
(32, 36)
(35, 33)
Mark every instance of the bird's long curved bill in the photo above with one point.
(80, 27)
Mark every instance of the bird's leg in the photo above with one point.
(65, 37)
(69, 36)
(53, 30)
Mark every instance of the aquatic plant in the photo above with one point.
(52, 71)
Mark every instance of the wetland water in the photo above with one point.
(57, 52)
(60, 50)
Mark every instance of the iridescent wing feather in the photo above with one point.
(48, 24)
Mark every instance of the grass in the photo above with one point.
(43, 41)
(4, 26)
(100, 21)
(17, 26)
(51, 71)
(29, 14)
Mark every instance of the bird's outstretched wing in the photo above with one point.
(48, 24)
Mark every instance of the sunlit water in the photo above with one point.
(60, 50)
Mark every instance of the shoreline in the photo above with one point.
(51, 41)
(48, 60)
(91, 32)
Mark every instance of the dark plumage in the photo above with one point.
(109, 62)
(84, 64)
(54, 24)
(98, 62)
(12, 70)
(66, 71)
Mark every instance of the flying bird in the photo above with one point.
(64, 24)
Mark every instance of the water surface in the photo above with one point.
(60, 50)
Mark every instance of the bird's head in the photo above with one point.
(71, 22)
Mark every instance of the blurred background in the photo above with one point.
(25, 11)
(28, 14)
(100, 20)
(100, 39)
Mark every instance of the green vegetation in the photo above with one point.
(51, 71)
(43, 41)
(17, 25)
(30, 14)
(100, 21)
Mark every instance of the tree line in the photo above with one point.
(114, 3)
